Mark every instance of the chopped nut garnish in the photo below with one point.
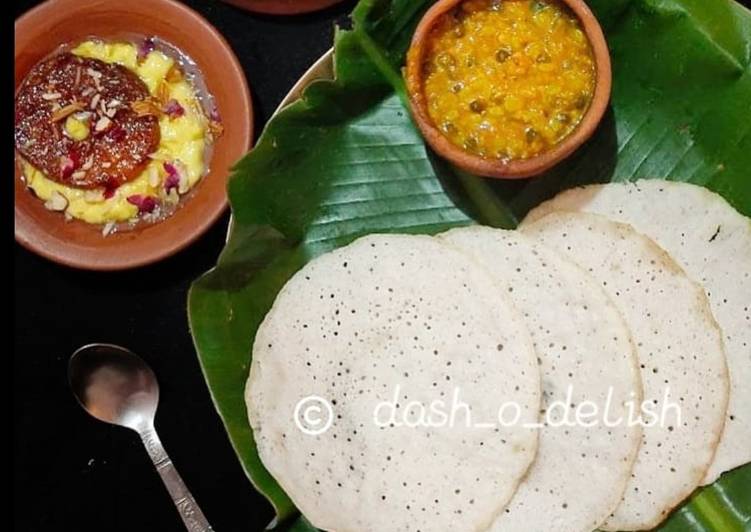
(77, 176)
(172, 197)
(88, 91)
(215, 129)
(57, 202)
(174, 74)
(146, 108)
(94, 73)
(114, 103)
(94, 196)
(49, 96)
(95, 101)
(162, 93)
(108, 228)
(102, 124)
(154, 177)
(66, 111)
(77, 80)
(88, 164)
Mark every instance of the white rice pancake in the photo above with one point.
(680, 352)
(711, 241)
(394, 319)
(583, 345)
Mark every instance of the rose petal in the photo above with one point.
(145, 204)
(66, 167)
(116, 133)
(110, 187)
(173, 109)
(173, 176)
(69, 163)
(145, 48)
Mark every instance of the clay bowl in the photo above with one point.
(513, 169)
(283, 7)
(57, 22)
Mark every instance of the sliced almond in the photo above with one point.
(88, 163)
(96, 76)
(57, 202)
(108, 228)
(95, 101)
(174, 74)
(184, 185)
(49, 96)
(88, 91)
(154, 178)
(79, 175)
(94, 196)
(145, 108)
(162, 93)
(102, 124)
(66, 111)
(216, 129)
(172, 197)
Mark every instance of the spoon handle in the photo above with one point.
(190, 513)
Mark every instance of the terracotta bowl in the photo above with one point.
(56, 22)
(283, 7)
(513, 169)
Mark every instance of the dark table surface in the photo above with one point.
(73, 473)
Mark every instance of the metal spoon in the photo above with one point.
(115, 385)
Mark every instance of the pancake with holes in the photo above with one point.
(711, 241)
(585, 354)
(680, 352)
(385, 332)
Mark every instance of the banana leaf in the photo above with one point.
(346, 160)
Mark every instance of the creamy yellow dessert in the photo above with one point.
(175, 167)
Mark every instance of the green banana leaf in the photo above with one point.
(345, 160)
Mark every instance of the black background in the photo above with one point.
(73, 473)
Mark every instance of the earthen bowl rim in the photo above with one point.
(136, 252)
(282, 7)
(519, 168)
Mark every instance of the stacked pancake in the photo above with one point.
(633, 300)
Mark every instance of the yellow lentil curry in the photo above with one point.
(508, 79)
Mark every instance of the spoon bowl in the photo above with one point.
(116, 386)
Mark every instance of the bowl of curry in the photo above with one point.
(508, 88)
(128, 118)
